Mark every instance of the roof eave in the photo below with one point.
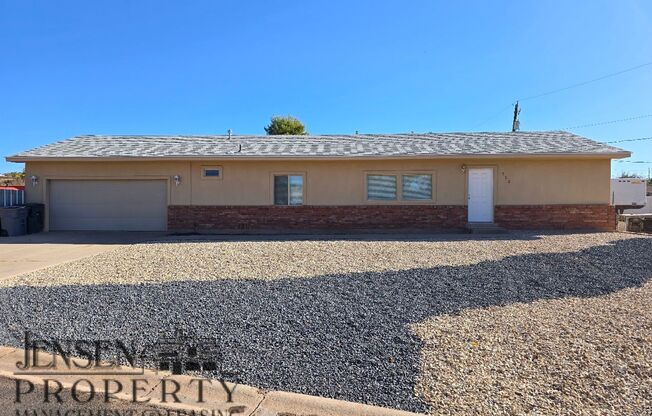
(591, 155)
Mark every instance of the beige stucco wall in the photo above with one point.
(517, 181)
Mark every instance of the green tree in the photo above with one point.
(625, 174)
(12, 178)
(15, 175)
(285, 125)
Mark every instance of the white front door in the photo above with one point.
(481, 195)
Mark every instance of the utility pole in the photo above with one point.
(515, 123)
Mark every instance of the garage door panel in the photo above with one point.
(105, 224)
(138, 205)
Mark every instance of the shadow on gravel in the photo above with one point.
(341, 336)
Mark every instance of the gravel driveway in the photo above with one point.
(528, 323)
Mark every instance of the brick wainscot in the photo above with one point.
(556, 217)
(383, 217)
(307, 217)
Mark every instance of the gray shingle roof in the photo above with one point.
(329, 146)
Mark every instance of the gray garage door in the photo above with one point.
(129, 205)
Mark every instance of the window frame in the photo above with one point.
(381, 201)
(204, 168)
(288, 174)
(399, 187)
(432, 186)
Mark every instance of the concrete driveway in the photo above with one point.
(27, 253)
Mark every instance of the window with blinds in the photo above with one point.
(416, 187)
(381, 187)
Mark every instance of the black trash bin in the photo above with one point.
(35, 219)
(13, 220)
(647, 225)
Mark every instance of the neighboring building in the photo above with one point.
(522, 180)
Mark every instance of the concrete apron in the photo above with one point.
(219, 398)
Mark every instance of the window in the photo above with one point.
(288, 190)
(416, 187)
(401, 186)
(381, 187)
(211, 172)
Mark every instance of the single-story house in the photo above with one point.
(518, 180)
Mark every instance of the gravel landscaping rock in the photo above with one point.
(555, 357)
(196, 258)
(528, 323)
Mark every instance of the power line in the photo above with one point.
(633, 161)
(507, 107)
(601, 123)
(580, 84)
(630, 140)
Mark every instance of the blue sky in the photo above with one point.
(156, 67)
